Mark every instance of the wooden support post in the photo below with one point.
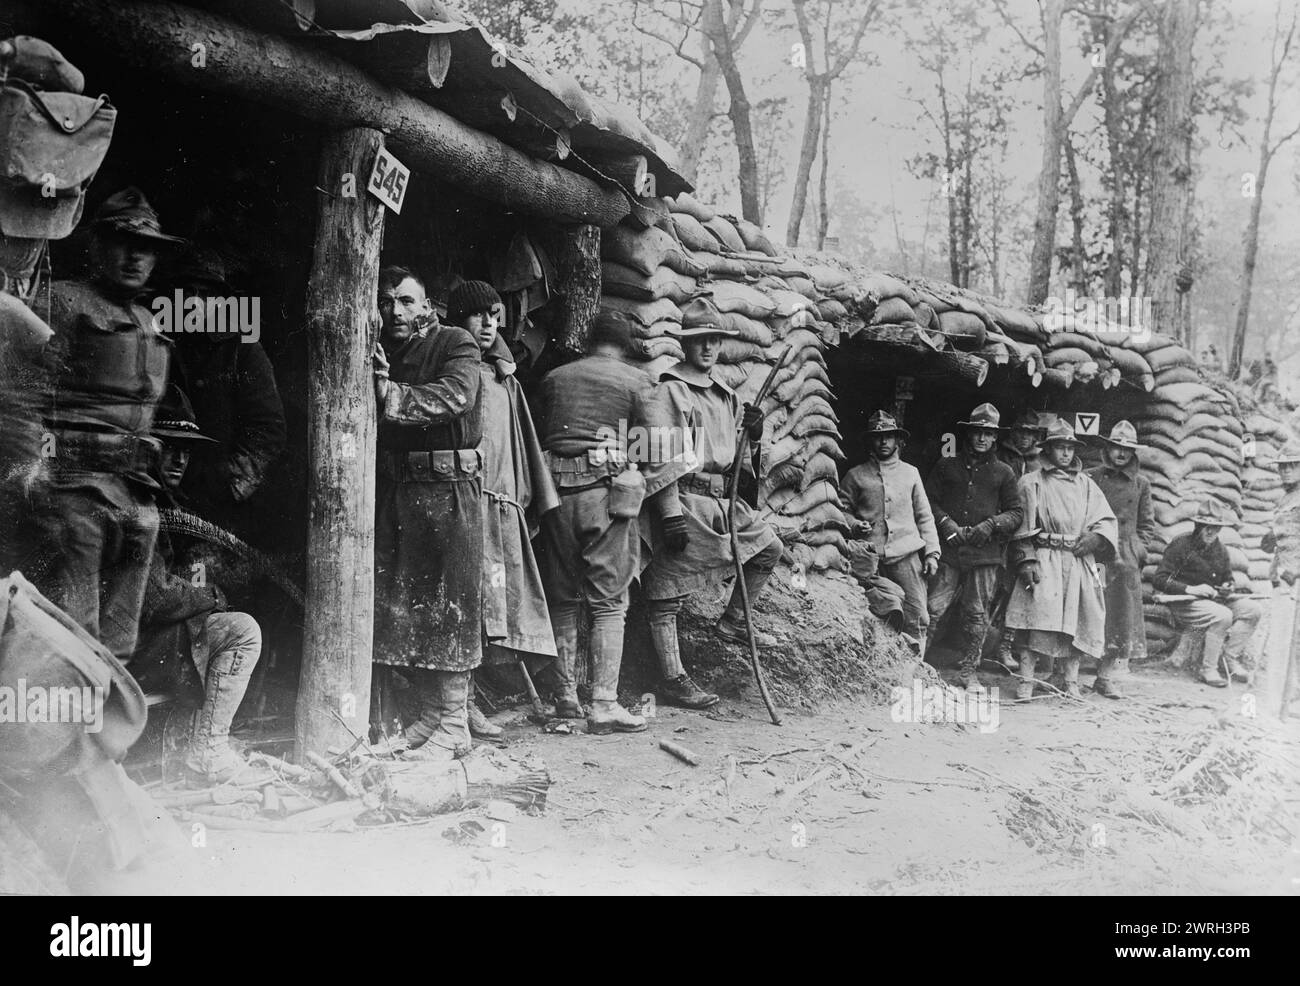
(575, 251)
(342, 320)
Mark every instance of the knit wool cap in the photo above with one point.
(468, 298)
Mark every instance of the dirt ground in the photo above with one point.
(1062, 798)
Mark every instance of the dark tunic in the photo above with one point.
(966, 490)
(1129, 494)
(232, 387)
(428, 510)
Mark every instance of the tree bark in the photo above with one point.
(575, 251)
(1266, 152)
(1078, 260)
(156, 38)
(807, 155)
(1040, 258)
(1112, 120)
(342, 317)
(701, 118)
(823, 205)
(724, 47)
(1171, 169)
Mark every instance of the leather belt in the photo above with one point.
(573, 474)
(1060, 542)
(704, 484)
(441, 466)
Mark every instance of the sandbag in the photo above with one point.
(824, 443)
(648, 349)
(646, 250)
(894, 311)
(644, 312)
(739, 351)
(1169, 357)
(754, 238)
(691, 206)
(820, 466)
(881, 286)
(963, 329)
(722, 268)
(729, 296)
(788, 303)
(692, 234)
(623, 282)
(829, 558)
(1177, 374)
(813, 496)
(1065, 354)
(832, 310)
(817, 423)
(827, 277)
(725, 233)
(750, 329)
(803, 285)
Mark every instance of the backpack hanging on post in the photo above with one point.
(51, 145)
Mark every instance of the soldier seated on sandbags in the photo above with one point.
(1196, 566)
(188, 640)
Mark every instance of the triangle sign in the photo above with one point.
(1087, 424)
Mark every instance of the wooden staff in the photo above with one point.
(741, 448)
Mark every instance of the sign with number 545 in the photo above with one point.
(388, 180)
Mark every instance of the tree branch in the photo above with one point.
(999, 6)
(1112, 46)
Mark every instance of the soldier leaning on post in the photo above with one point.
(1058, 607)
(977, 507)
(690, 494)
(110, 370)
(1197, 565)
(1129, 494)
(886, 494)
(592, 542)
(428, 514)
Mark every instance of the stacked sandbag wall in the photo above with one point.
(1261, 490)
(696, 256)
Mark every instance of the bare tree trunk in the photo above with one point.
(1040, 258)
(812, 125)
(823, 205)
(1078, 264)
(724, 48)
(701, 118)
(1266, 152)
(1167, 280)
(1111, 119)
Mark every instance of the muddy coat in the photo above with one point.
(1069, 600)
(707, 411)
(1129, 494)
(966, 490)
(428, 506)
(517, 492)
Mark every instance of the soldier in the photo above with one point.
(1129, 494)
(1058, 607)
(592, 548)
(230, 381)
(428, 511)
(1196, 567)
(977, 507)
(185, 620)
(887, 494)
(1020, 450)
(111, 368)
(517, 494)
(690, 539)
(1284, 541)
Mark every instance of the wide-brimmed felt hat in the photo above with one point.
(174, 419)
(984, 416)
(1289, 453)
(201, 265)
(1212, 513)
(1123, 435)
(1060, 431)
(700, 318)
(1029, 421)
(128, 213)
(883, 423)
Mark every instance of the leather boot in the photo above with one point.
(609, 717)
(564, 624)
(1071, 676)
(210, 755)
(445, 716)
(1105, 683)
(1025, 686)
